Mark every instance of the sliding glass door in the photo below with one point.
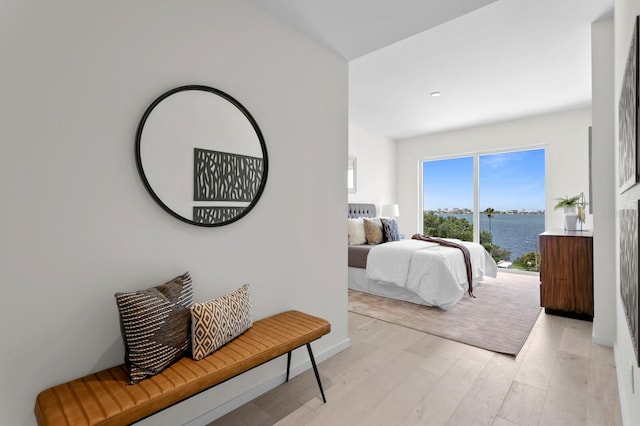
(503, 193)
(448, 200)
(512, 204)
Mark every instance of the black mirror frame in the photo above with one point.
(249, 117)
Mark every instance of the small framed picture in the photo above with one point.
(352, 174)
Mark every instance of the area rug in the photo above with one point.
(499, 319)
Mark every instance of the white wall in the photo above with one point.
(625, 12)
(565, 135)
(376, 167)
(77, 223)
(602, 180)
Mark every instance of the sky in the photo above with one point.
(512, 180)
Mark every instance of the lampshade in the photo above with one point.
(390, 210)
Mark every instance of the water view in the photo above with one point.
(509, 185)
(517, 233)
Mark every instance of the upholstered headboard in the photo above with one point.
(361, 210)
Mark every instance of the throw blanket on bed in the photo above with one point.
(463, 249)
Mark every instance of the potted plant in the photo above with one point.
(574, 210)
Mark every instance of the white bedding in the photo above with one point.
(435, 273)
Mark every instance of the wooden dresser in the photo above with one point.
(566, 273)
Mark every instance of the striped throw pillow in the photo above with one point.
(155, 326)
(218, 321)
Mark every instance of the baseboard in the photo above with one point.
(265, 386)
(624, 407)
(574, 315)
(602, 341)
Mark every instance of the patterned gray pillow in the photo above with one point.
(218, 321)
(390, 230)
(155, 326)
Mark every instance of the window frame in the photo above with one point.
(476, 180)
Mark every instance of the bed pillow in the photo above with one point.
(373, 230)
(218, 321)
(356, 231)
(390, 230)
(155, 325)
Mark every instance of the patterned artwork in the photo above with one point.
(629, 273)
(221, 176)
(211, 215)
(629, 167)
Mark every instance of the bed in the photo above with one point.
(421, 272)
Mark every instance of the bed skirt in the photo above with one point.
(358, 281)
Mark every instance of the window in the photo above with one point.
(504, 193)
(352, 175)
(448, 198)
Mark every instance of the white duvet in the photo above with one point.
(436, 273)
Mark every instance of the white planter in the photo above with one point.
(570, 218)
(571, 222)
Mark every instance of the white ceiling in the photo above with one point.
(492, 60)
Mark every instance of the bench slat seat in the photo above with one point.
(104, 398)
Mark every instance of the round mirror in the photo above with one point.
(201, 155)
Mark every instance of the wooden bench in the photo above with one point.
(104, 398)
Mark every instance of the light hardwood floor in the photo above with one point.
(393, 375)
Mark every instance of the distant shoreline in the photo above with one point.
(469, 212)
(517, 233)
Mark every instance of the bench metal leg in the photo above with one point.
(315, 370)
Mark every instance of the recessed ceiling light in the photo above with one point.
(435, 94)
